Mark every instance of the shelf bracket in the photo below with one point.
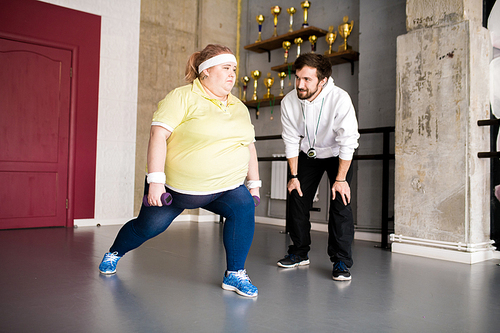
(351, 62)
(257, 111)
(268, 54)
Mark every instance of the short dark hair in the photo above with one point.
(314, 60)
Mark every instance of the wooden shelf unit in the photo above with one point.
(263, 102)
(274, 43)
(335, 58)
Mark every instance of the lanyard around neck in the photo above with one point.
(317, 125)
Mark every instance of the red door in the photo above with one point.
(34, 131)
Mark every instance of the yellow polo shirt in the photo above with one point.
(207, 151)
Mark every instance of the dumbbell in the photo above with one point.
(166, 199)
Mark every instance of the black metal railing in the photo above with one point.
(488, 122)
(385, 157)
(494, 167)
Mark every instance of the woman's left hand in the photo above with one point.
(255, 195)
(255, 192)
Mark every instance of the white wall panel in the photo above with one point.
(115, 163)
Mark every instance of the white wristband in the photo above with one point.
(156, 177)
(254, 183)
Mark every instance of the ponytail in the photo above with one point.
(192, 67)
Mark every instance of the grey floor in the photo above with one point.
(49, 282)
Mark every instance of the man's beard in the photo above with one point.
(308, 95)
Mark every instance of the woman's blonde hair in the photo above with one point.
(210, 51)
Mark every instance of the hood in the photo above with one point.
(327, 88)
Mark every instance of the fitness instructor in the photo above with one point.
(201, 149)
(320, 132)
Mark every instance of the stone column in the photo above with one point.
(441, 186)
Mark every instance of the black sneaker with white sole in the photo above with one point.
(292, 260)
(341, 272)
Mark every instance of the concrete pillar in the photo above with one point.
(441, 186)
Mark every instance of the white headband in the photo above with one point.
(217, 60)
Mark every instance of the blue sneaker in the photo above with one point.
(240, 283)
(108, 263)
(341, 272)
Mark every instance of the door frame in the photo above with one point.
(79, 32)
(72, 112)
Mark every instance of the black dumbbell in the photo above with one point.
(166, 199)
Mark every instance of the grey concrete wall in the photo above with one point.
(442, 187)
(170, 32)
(430, 13)
(322, 14)
(381, 21)
(372, 87)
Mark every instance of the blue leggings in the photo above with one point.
(237, 206)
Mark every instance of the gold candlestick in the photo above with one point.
(330, 38)
(344, 31)
(268, 82)
(282, 76)
(305, 5)
(286, 45)
(275, 10)
(291, 11)
(244, 80)
(255, 76)
(313, 39)
(260, 19)
(298, 41)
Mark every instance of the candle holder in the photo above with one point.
(282, 76)
(298, 41)
(330, 39)
(245, 79)
(305, 6)
(255, 76)
(344, 31)
(291, 11)
(268, 82)
(313, 39)
(275, 10)
(286, 45)
(260, 19)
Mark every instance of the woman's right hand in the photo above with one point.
(154, 194)
(157, 152)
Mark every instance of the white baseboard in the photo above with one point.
(99, 222)
(322, 227)
(203, 218)
(282, 223)
(270, 220)
(368, 236)
(181, 218)
(443, 254)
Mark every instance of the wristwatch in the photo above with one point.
(294, 176)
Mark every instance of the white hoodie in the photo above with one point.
(337, 133)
